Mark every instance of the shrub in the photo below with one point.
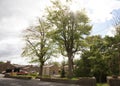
(62, 73)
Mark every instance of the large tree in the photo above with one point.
(116, 23)
(96, 55)
(69, 30)
(37, 43)
(112, 54)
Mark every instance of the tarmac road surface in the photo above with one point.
(35, 82)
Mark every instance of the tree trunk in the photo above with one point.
(70, 66)
(41, 70)
(119, 63)
(100, 77)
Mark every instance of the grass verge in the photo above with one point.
(105, 84)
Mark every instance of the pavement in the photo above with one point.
(35, 82)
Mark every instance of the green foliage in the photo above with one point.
(82, 69)
(116, 44)
(113, 54)
(99, 84)
(34, 75)
(74, 79)
(37, 42)
(38, 45)
(69, 30)
(94, 61)
(1, 62)
(101, 54)
(62, 73)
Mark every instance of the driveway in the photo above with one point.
(19, 82)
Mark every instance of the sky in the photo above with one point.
(17, 15)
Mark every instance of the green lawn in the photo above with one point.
(102, 85)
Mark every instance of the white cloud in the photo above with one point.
(98, 10)
(17, 15)
(20, 60)
(102, 9)
(10, 47)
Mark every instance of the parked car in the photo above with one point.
(22, 72)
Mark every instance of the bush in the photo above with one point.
(82, 69)
(33, 74)
(62, 73)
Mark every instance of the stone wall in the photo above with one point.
(113, 81)
(82, 81)
(87, 81)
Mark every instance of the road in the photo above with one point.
(35, 82)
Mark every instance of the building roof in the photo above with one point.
(48, 65)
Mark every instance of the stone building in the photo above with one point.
(31, 68)
(7, 65)
(50, 70)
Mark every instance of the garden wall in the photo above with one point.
(82, 81)
(113, 81)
